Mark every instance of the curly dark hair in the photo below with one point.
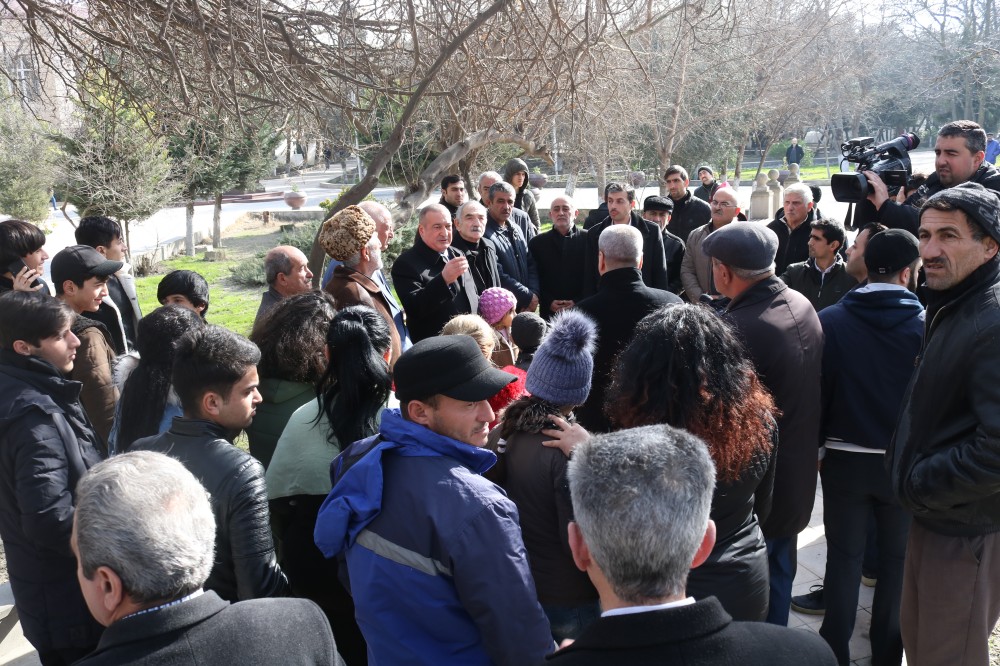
(686, 368)
(292, 336)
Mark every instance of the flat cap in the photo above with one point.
(980, 204)
(345, 233)
(658, 203)
(748, 245)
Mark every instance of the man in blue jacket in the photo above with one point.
(872, 337)
(435, 559)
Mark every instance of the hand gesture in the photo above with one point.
(454, 269)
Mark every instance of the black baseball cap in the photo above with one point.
(448, 365)
(890, 251)
(81, 262)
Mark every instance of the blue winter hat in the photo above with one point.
(561, 369)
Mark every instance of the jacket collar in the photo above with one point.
(358, 277)
(427, 252)
(41, 374)
(620, 277)
(985, 275)
(760, 291)
(165, 621)
(198, 428)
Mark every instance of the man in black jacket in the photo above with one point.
(657, 210)
(621, 202)
(944, 459)
(143, 535)
(453, 194)
(690, 212)
(638, 554)
(467, 238)
(620, 303)
(518, 273)
(46, 446)
(783, 337)
(792, 226)
(960, 153)
(432, 279)
(215, 377)
(558, 254)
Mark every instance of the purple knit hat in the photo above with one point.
(494, 303)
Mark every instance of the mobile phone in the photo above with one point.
(16, 267)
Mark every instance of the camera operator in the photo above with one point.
(959, 157)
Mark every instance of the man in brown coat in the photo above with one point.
(350, 237)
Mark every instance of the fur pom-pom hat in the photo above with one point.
(561, 369)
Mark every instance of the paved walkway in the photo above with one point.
(15, 650)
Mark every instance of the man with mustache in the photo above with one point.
(470, 223)
(944, 460)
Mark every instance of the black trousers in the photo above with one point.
(854, 486)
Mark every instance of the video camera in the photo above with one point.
(890, 160)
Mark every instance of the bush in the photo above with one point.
(27, 165)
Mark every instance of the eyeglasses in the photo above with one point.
(722, 204)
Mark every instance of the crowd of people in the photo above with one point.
(595, 444)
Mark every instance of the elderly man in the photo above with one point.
(690, 212)
(638, 554)
(785, 340)
(516, 267)
(350, 237)
(143, 535)
(945, 454)
(823, 278)
(434, 552)
(621, 202)
(287, 272)
(657, 210)
(481, 253)
(622, 300)
(453, 194)
(433, 279)
(215, 377)
(792, 227)
(696, 271)
(558, 254)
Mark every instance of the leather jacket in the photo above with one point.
(945, 456)
(245, 565)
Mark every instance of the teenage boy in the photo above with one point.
(119, 310)
(215, 377)
(46, 445)
(80, 274)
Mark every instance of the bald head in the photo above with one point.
(725, 206)
(287, 270)
(384, 228)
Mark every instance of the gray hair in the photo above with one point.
(641, 498)
(435, 208)
(276, 261)
(752, 274)
(379, 213)
(621, 244)
(494, 175)
(373, 244)
(802, 190)
(470, 204)
(148, 519)
(502, 185)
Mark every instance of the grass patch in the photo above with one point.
(229, 305)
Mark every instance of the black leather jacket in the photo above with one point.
(245, 565)
(945, 456)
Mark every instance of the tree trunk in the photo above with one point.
(740, 154)
(381, 157)
(217, 222)
(189, 229)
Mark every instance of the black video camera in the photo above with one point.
(890, 160)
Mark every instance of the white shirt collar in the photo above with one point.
(632, 610)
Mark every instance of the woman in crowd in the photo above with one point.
(535, 476)
(148, 403)
(496, 307)
(687, 369)
(22, 257)
(351, 395)
(292, 340)
(185, 288)
(476, 328)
